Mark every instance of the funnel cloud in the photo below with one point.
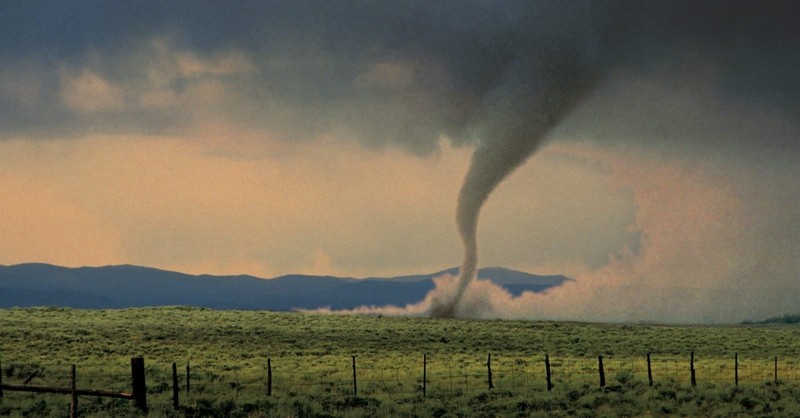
(525, 110)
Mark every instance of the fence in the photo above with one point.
(420, 376)
(432, 376)
(138, 393)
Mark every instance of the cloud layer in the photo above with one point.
(384, 74)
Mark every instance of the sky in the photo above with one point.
(658, 163)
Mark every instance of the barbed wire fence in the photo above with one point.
(418, 376)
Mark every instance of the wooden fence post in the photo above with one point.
(691, 369)
(602, 372)
(188, 384)
(175, 401)
(1, 381)
(355, 379)
(547, 372)
(424, 375)
(776, 370)
(138, 383)
(269, 376)
(73, 405)
(489, 370)
(736, 369)
(649, 371)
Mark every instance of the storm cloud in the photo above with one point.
(400, 74)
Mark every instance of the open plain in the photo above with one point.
(257, 364)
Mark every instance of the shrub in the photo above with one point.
(624, 377)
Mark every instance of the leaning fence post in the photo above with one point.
(138, 383)
(691, 369)
(424, 374)
(175, 402)
(547, 372)
(649, 371)
(736, 369)
(355, 380)
(269, 376)
(73, 405)
(602, 372)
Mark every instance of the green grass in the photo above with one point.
(311, 358)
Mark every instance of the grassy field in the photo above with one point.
(311, 358)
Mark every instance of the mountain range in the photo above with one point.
(125, 286)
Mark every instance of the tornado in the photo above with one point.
(529, 101)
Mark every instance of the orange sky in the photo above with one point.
(326, 207)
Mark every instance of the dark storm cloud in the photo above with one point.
(311, 57)
(702, 75)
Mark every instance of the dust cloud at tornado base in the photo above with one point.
(718, 246)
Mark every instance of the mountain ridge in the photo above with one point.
(124, 286)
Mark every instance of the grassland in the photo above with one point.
(311, 358)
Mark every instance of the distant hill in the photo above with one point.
(133, 286)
